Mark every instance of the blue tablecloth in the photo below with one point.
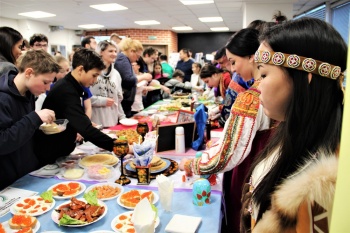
(182, 204)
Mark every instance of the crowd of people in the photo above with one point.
(282, 102)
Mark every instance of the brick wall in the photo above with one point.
(163, 37)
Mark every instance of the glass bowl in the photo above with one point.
(99, 171)
(57, 126)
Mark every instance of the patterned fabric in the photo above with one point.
(235, 143)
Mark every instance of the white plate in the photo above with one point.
(110, 184)
(87, 146)
(13, 210)
(55, 214)
(116, 162)
(7, 228)
(128, 122)
(82, 189)
(155, 199)
(182, 223)
(114, 221)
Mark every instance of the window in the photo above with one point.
(319, 13)
(341, 20)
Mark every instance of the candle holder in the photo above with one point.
(120, 149)
(142, 129)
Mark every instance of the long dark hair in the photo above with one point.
(313, 118)
(8, 37)
(244, 42)
(208, 70)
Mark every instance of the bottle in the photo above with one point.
(179, 139)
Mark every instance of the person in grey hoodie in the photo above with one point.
(18, 120)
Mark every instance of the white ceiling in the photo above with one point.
(170, 13)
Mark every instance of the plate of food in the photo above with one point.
(106, 191)
(67, 189)
(103, 159)
(123, 224)
(157, 165)
(25, 223)
(128, 122)
(32, 206)
(131, 198)
(64, 215)
(130, 134)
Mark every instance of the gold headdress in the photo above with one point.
(300, 63)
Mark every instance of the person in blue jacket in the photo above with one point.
(18, 120)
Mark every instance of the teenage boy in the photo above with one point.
(18, 120)
(65, 98)
(39, 41)
(177, 84)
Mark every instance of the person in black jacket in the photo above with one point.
(65, 98)
(18, 120)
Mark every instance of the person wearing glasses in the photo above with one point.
(10, 48)
(39, 41)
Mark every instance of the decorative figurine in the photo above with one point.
(142, 129)
(120, 149)
(201, 192)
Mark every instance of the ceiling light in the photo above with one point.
(183, 28)
(147, 22)
(37, 14)
(211, 19)
(220, 29)
(91, 26)
(109, 7)
(194, 2)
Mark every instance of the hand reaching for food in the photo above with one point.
(109, 102)
(46, 115)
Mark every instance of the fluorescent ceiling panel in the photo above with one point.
(220, 29)
(37, 14)
(91, 26)
(147, 22)
(109, 7)
(183, 28)
(194, 2)
(210, 19)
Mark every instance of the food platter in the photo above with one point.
(125, 220)
(81, 189)
(168, 163)
(33, 206)
(155, 199)
(100, 185)
(105, 159)
(55, 214)
(7, 228)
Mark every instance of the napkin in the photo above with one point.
(166, 189)
(143, 217)
(144, 152)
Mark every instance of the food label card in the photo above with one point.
(10, 195)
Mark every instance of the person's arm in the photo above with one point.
(88, 107)
(14, 135)
(236, 140)
(123, 66)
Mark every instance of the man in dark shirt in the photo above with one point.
(185, 64)
(65, 99)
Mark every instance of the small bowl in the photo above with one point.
(99, 172)
(73, 172)
(128, 122)
(59, 126)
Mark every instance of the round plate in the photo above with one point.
(113, 164)
(110, 184)
(14, 211)
(114, 221)
(82, 189)
(55, 214)
(128, 167)
(155, 199)
(128, 122)
(7, 228)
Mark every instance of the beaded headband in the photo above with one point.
(298, 62)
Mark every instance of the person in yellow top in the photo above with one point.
(292, 183)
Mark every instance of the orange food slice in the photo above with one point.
(74, 186)
(70, 192)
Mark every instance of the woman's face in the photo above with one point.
(133, 55)
(63, 71)
(17, 49)
(109, 54)
(212, 81)
(276, 89)
(195, 69)
(243, 66)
